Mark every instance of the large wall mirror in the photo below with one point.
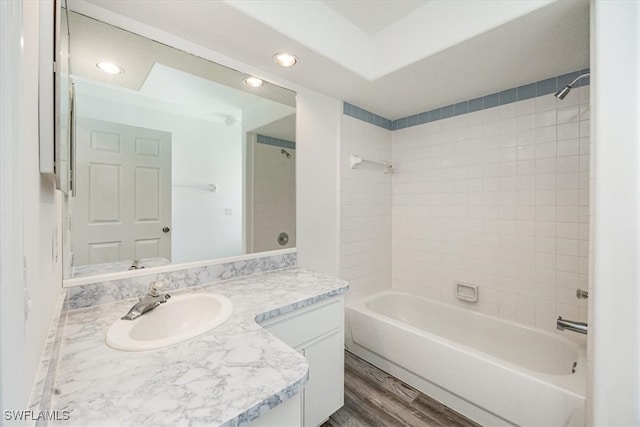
(175, 158)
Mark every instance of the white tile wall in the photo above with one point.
(365, 206)
(497, 198)
(274, 197)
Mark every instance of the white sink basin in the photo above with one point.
(182, 317)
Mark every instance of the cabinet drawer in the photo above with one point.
(303, 325)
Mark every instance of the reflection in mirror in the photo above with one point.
(176, 160)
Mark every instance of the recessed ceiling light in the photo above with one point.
(110, 67)
(285, 59)
(253, 81)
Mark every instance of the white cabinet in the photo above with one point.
(317, 331)
(288, 414)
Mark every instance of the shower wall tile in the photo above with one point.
(365, 206)
(526, 92)
(276, 142)
(366, 116)
(475, 105)
(508, 96)
(497, 197)
(548, 86)
(565, 79)
(492, 100)
(274, 197)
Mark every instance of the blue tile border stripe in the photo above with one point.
(262, 139)
(520, 93)
(366, 116)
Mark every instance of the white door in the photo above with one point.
(122, 209)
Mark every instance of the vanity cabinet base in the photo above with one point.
(289, 414)
(317, 332)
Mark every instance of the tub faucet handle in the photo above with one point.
(582, 294)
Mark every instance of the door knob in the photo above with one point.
(283, 238)
(166, 229)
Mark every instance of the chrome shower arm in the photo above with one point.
(582, 76)
(561, 93)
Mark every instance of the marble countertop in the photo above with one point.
(227, 376)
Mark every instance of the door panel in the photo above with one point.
(147, 147)
(104, 252)
(103, 141)
(147, 194)
(147, 248)
(104, 193)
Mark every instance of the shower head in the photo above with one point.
(562, 93)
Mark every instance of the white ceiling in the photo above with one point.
(394, 58)
(373, 16)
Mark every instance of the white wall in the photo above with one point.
(13, 384)
(615, 295)
(263, 112)
(317, 181)
(365, 206)
(24, 192)
(42, 208)
(498, 198)
(202, 152)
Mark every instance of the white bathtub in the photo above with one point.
(493, 371)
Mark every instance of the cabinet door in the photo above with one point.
(323, 394)
(289, 414)
(317, 331)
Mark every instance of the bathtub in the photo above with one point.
(493, 371)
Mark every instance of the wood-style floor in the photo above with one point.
(374, 398)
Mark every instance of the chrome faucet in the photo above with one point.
(571, 325)
(151, 300)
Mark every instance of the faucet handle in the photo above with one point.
(155, 288)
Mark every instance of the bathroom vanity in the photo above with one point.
(278, 360)
(317, 332)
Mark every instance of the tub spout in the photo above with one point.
(571, 325)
